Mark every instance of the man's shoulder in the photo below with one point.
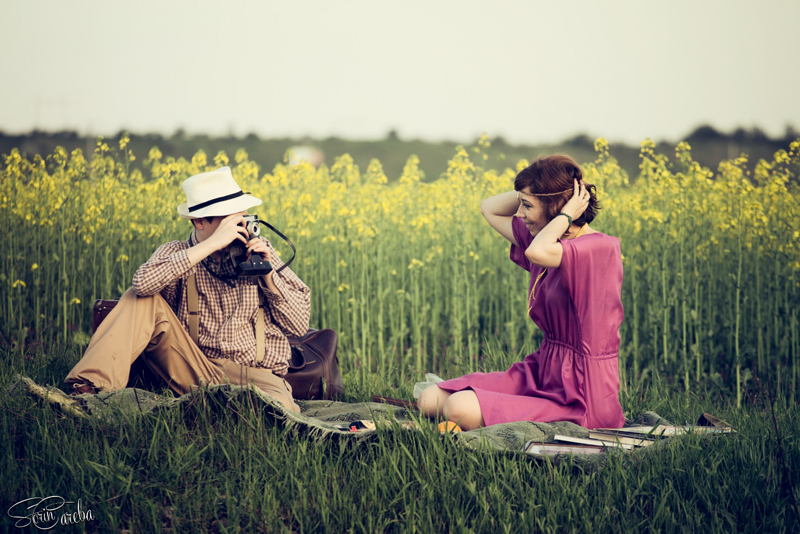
(172, 246)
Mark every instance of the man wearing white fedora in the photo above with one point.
(152, 318)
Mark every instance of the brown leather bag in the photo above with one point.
(313, 367)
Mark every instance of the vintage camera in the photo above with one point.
(256, 265)
(237, 252)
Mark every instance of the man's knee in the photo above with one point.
(130, 297)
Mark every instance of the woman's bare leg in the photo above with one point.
(431, 401)
(463, 408)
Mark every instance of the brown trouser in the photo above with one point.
(147, 328)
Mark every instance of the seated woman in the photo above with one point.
(574, 298)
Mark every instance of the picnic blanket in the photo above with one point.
(318, 418)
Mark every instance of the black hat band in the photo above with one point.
(215, 200)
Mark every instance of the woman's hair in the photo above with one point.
(550, 179)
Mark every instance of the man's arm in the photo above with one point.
(288, 297)
(170, 261)
(161, 272)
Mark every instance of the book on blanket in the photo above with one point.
(572, 445)
(554, 449)
(665, 431)
(637, 440)
(626, 438)
(706, 424)
(609, 443)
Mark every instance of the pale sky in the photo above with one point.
(531, 71)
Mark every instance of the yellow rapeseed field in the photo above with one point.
(408, 273)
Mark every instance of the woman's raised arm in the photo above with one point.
(499, 211)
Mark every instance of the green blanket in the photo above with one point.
(321, 419)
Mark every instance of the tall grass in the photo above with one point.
(408, 273)
(215, 468)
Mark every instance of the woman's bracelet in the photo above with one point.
(568, 218)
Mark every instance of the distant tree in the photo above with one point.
(758, 135)
(230, 135)
(152, 138)
(740, 135)
(67, 135)
(580, 140)
(392, 135)
(499, 142)
(705, 133)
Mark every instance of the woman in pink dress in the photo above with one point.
(573, 297)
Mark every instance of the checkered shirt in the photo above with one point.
(228, 314)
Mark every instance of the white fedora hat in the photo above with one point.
(214, 193)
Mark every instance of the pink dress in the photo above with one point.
(574, 375)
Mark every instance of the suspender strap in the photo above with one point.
(194, 318)
(261, 334)
(194, 306)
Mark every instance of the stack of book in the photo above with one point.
(626, 439)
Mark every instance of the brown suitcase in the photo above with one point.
(313, 368)
(100, 310)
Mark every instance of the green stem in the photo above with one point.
(738, 324)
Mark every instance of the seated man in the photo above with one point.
(152, 318)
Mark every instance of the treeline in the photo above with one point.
(709, 147)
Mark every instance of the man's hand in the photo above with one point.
(230, 229)
(259, 247)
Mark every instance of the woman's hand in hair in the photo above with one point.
(579, 201)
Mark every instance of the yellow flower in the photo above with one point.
(75, 301)
(18, 283)
(221, 159)
(34, 266)
(415, 263)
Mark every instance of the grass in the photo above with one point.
(217, 471)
